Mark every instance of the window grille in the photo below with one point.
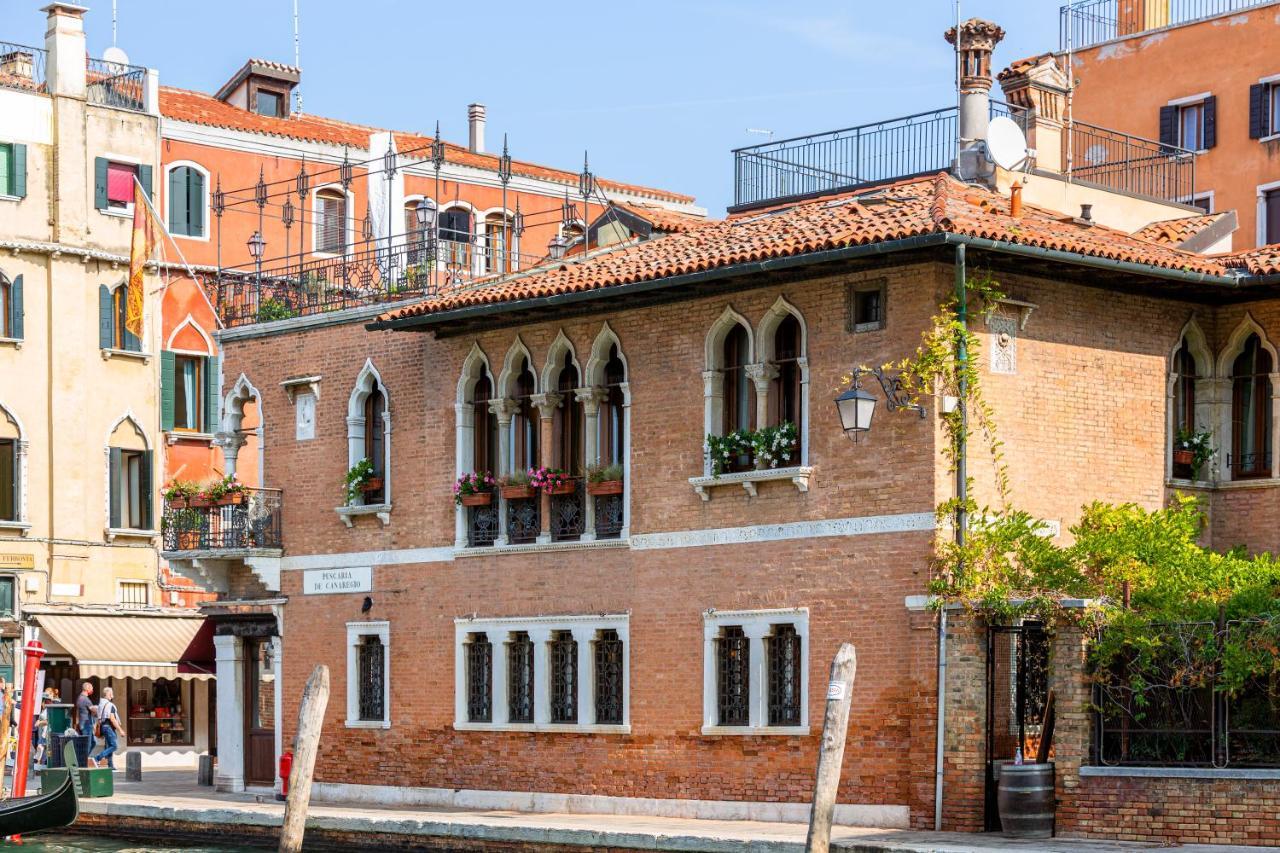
(609, 674)
(371, 675)
(564, 678)
(133, 594)
(520, 678)
(783, 649)
(733, 679)
(479, 679)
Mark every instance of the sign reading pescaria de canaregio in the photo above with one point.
(329, 581)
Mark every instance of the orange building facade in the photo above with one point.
(1208, 84)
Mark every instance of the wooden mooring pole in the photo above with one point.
(315, 696)
(835, 726)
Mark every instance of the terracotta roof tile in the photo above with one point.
(203, 109)
(1175, 232)
(1265, 260)
(663, 219)
(910, 208)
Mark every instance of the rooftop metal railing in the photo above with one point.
(112, 84)
(1131, 164)
(851, 157)
(1092, 22)
(22, 67)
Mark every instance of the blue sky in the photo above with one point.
(659, 92)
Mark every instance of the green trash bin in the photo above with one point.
(96, 781)
(59, 717)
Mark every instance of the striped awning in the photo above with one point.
(125, 645)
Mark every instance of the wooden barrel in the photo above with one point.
(1026, 800)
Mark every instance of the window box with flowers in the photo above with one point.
(604, 479)
(474, 489)
(553, 481)
(516, 486)
(774, 453)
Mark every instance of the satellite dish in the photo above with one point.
(1006, 144)
(115, 56)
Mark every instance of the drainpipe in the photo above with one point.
(961, 525)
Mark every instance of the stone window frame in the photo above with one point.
(21, 523)
(880, 285)
(498, 630)
(1206, 388)
(1223, 432)
(476, 364)
(756, 624)
(761, 371)
(153, 459)
(356, 632)
(366, 380)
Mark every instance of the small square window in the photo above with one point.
(120, 178)
(268, 103)
(133, 594)
(1191, 126)
(866, 306)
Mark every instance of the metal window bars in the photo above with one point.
(568, 514)
(783, 650)
(371, 674)
(609, 516)
(524, 519)
(520, 678)
(482, 525)
(609, 674)
(479, 679)
(733, 677)
(564, 677)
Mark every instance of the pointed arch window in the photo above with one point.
(484, 452)
(1251, 411)
(1184, 389)
(569, 419)
(525, 422)
(375, 412)
(785, 393)
(612, 437)
(739, 390)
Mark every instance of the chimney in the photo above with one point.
(475, 128)
(1039, 86)
(974, 41)
(64, 41)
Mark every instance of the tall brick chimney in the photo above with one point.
(1039, 85)
(976, 40)
(475, 127)
(64, 41)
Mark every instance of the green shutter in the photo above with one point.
(113, 483)
(195, 203)
(18, 181)
(212, 399)
(148, 522)
(105, 326)
(6, 169)
(177, 202)
(15, 308)
(168, 381)
(131, 342)
(100, 183)
(144, 178)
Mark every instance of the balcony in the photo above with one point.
(375, 271)
(840, 160)
(22, 67)
(205, 542)
(113, 84)
(1093, 22)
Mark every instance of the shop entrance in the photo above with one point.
(259, 713)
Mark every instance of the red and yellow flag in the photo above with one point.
(144, 242)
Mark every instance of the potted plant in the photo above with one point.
(1192, 449)
(727, 450)
(474, 489)
(554, 481)
(357, 481)
(772, 446)
(517, 485)
(186, 523)
(604, 479)
(225, 491)
(179, 492)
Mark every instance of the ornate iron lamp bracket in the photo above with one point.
(895, 398)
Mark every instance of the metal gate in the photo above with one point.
(1017, 687)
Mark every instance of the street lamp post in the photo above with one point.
(425, 213)
(857, 407)
(257, 245)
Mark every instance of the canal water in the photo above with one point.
(53, 843)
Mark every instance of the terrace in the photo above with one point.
(107, 83)
(1093, 22)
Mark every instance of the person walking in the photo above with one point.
(85, 713)
(109, 728)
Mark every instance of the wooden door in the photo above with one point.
(259, 714)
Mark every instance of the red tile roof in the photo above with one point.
(920, 206)
(1264, 260)
(1175, 232)
(663, 219)
(203, 109)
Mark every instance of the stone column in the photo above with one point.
(501, 703)
(547, 404)
(584, 637)
(590, 398)
(230, 442)
(762, 375)
(713, 410)
(759, 675)
(463, 450)
(504, 409)
(540, 636)
(229, 668)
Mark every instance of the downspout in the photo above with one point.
(962, 521)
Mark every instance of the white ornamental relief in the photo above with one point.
(1004, 343)
(305, 422)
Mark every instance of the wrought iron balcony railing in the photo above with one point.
(1131, 164)
(22, 67)
(1092, 22)
(843, 159)
(251, 522)
(377, 270)
(113, 84)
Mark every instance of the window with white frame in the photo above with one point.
(331, 221)
(13, 452)
(755, 671)
(368, 675)
(1190, 122)
(369, 435)
(132, 594)
(547, 673)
